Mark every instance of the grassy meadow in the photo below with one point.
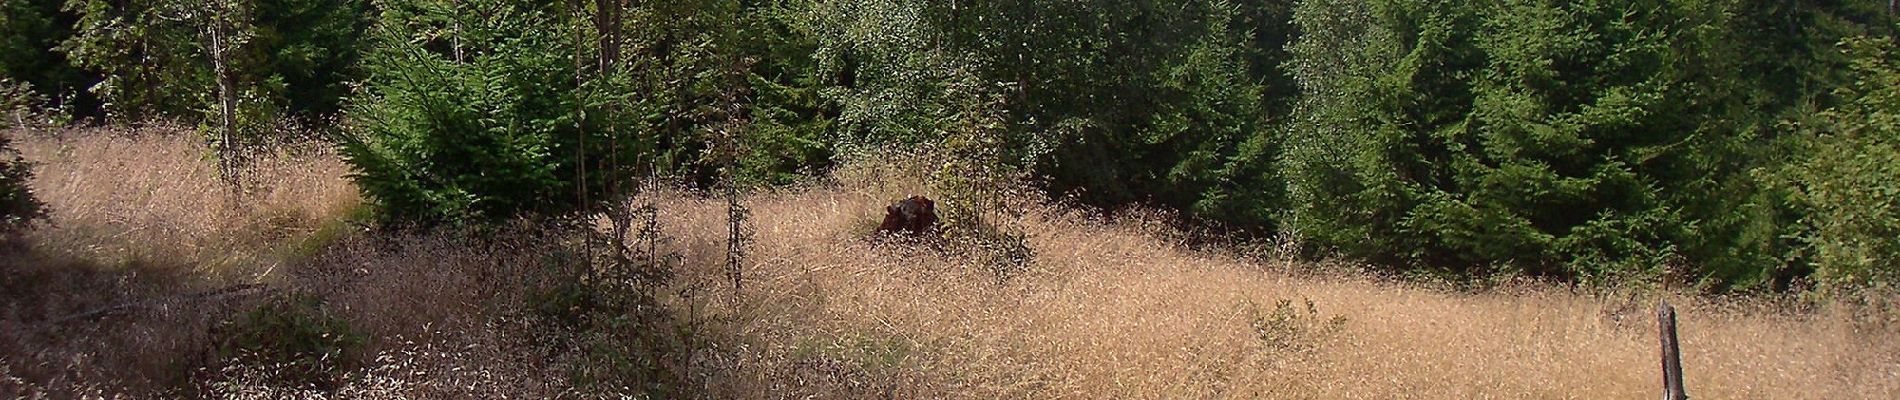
(153, 279)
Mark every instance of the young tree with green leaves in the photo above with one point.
(479, 111)
(146, 54)
(1593, 140)
(18, 208)
(1847, 176)
(30, 31)
(467, 114)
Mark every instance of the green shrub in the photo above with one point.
(295, 338)
(1848, 179)
(18, 207)
(20, 105)
(473, 116)
(620, 337)
(1287, 327)
(1582, 141)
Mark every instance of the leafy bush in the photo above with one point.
(1848, 181)
(295, 338)
(30, 30)
(473, 117)
(1290, 328)
(18, 207)
(20, 105)
(1580, 141)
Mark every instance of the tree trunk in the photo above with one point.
(455, 36)
(1671, 353)
(579, 11)
(227, 96)
(607, 28)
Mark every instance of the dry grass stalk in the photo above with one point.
(141, 217)
(1108, 310)
(154, 194)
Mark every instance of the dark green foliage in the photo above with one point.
(1792, 49)
(1603, 140)
(470, 117)
(147, 57)
(18, 207)
(1848, 176)
(1579, 140)
(1124, 102)
(788, 135)
(153, 59)
(300, 342)
(310, 51)
(29, 32)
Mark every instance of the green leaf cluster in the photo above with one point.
(468, 116)
(1847, 175)
(18, 207)
(1581, 140)
(1726, 144)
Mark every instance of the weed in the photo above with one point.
(304, 344)
(1287, 327)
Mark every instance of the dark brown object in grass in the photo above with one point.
(914, 216)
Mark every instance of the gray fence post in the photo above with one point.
(1671, 353)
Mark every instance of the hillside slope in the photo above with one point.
(1106, 310)
(1110, 310)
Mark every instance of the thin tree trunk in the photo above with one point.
(736, 213)
(607, 28)
(455, 36)
(607, 23)
(147, 85)
(227, 97)
(1671, 353)
(580, 132)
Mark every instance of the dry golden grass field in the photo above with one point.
(1106, 309)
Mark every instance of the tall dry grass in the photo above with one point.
(154, 194)
(144, 229)
(1108, 309)
(103, 297)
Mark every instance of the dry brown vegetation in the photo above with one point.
(154, 194)
(139, 219)
(1108, 309)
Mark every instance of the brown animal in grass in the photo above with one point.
(914, 216)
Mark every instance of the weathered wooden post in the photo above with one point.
(1671, 353)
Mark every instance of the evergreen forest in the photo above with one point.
(675, 199)
(1723, 144)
